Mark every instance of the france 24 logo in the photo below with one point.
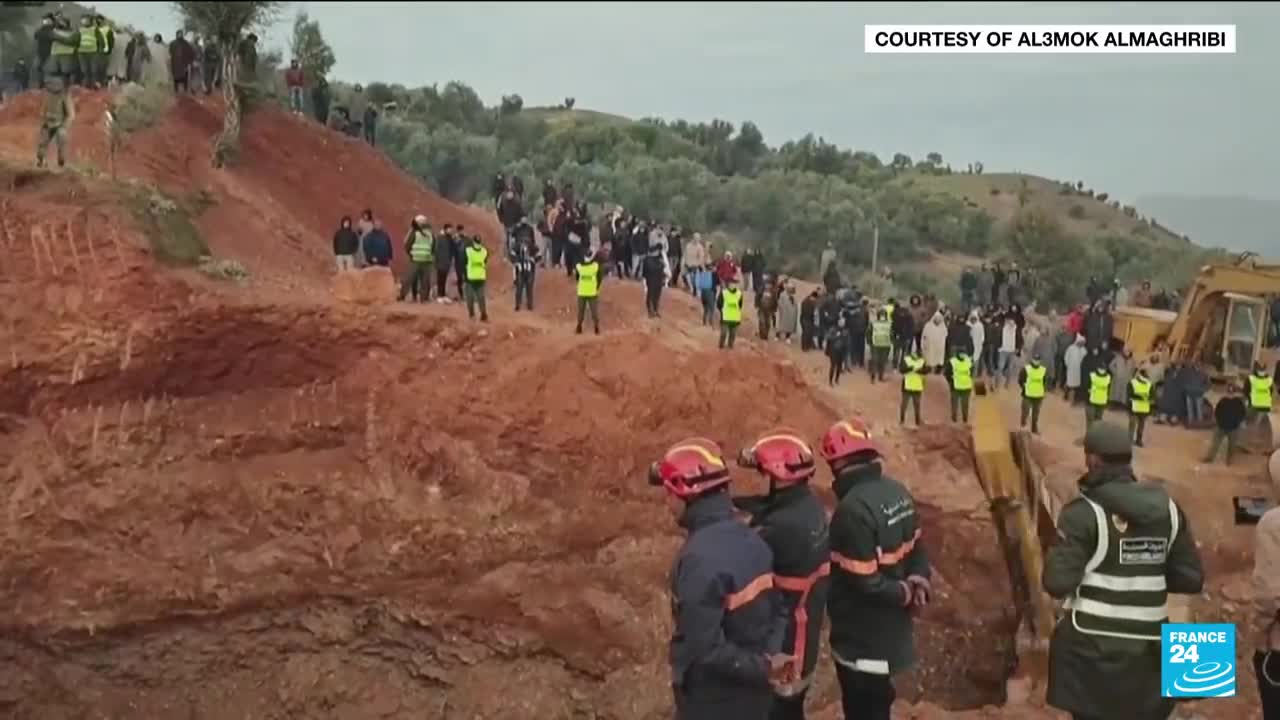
(1198, 660)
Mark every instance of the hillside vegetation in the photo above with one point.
(789, 200)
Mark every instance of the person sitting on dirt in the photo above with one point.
(1104, 658)
(880, 575)
(524, 263)
(59, 113)
(377, 246)
(726, 611)
(793, 523)
(345, 245)
(1261, 387)
(477, 256)
(1228, 416)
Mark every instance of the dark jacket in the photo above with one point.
(549, 194)
(1229, 413)
(1098, 676)
(828, 313)
(181, 55)
(442, 249)
(959, 338)
(904, 326)
(509, 211)
(870, 562)
(808, 307)
(346, 242)
(792, 521)
(377, 247)
(727, 617)
(44, 41)
(524, 251)
(857, 324)
(836, 343)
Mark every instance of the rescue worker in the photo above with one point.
(793, 523)
(588, 272)
(1099, 394)
(879, 573)
(881, 341)
(62, 50)
(87, 53)
(959, 373)
(1122, 547)
(459, 256)
(1139, 404)
(1260, 387)
(1032, 382)
(106, 45)
(59, 112)
(477, 256)
(727, 616)
(730, 313)
(912, 386)
(524, 261)
(419, 245)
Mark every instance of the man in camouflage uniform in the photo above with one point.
(56, 120)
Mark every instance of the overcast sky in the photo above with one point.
(1128, 124)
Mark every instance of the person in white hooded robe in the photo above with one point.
(933, 342)
(978, 333)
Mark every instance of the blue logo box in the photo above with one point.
(1198, 660)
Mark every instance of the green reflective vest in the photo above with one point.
(477, 256)
(1099, 388)
(589, 279)
(421, 250)
(1260, 392)
(1123, 591)
(913, 381)
(881, 334)
(731, 306)
(961, 374)
(1141, 404)
(1033, 388)
(88, 41)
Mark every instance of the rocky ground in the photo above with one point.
(255, 501)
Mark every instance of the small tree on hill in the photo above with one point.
(228, 23)
(310, 49)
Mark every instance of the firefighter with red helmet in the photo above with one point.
(728, 625)
(792, 521)
(879, 572)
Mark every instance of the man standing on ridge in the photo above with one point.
(959, 374)
(879, 573)
(460, 260)
(59, 112)
(727, 616)
(442, 252)
(588, 272)
(477, 271)
(524, 262)
(87, 53)
(1122, 547)
(730, 313)
(881, 341)
(419, 245)
(793, 523)
(912, 386)
(1032, 382)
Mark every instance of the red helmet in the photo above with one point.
(846, 439)
(781, 455)
(690, 468)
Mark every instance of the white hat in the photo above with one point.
(420, 219)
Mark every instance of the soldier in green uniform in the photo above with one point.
(59, 111)
(1122, 547)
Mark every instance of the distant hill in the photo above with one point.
(1234, 222)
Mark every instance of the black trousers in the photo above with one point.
(864, 696)
(837, 366)
(806, 337)
(442, 279)
(524, 290)
(652, 295)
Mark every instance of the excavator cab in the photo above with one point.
(1244, 334)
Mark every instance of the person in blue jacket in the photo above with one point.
(729, 620)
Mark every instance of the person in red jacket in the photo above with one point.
(726, 269)
(296, 80)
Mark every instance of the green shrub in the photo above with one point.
(136, 107)
(1076, 212)
(174, 237)
(223, 269)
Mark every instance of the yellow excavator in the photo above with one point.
(1224, 323)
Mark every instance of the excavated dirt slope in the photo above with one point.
(232, 502)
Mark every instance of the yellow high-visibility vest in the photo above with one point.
(421, 250)
(1260, 392)
(913, 381)
(881, 334)
(88, 41)
(477, 256)
(961, 374)
(731, 308)
(589, 279)
(1141, 404)
(1099, 388)
(1033, 389)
